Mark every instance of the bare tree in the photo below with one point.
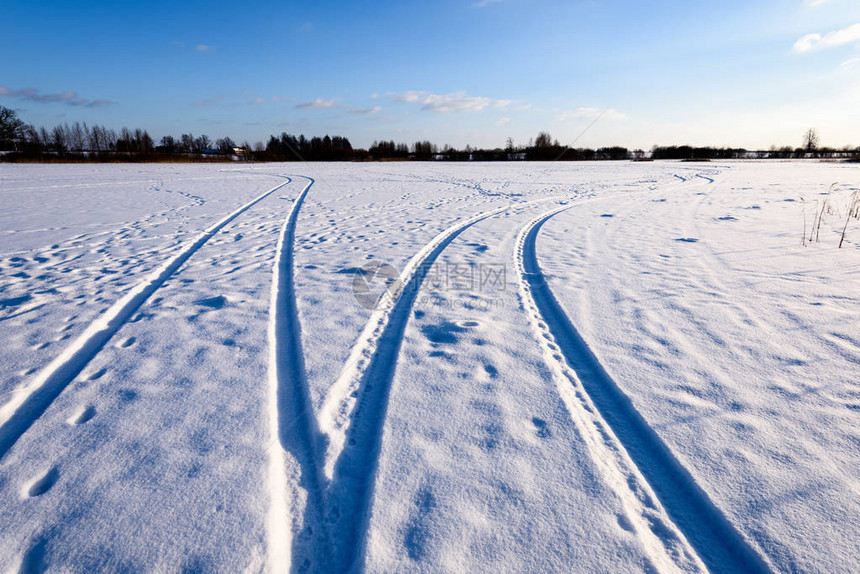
(186, 144)
(60, 138)
(11, 128)
(168, 144)
(96, 140)
(77, 138)
(225, 145)
(810, 140)
(543, 140)
(201, 143)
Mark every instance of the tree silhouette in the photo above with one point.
(810, 140)
(11, 129)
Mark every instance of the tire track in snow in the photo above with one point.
(291, 423)
(30, 401)
(355, 407)
(639, 465)
(353, 414)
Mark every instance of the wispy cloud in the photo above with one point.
(204, 48)
(503, 121)
(70, 98)
(811, 42)
(852, 63)
(445, 103)
(318, 103)
(485, 3)
(590, 114)
(366, 111)
(98, 103)
(816, 3)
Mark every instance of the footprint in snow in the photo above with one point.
(444, 333)
(212, 302)
(97, 375)
(541, 428)
(82, 415)
(418, 533)
(42, 484)
(14, 301)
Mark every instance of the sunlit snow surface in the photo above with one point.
(461, 428)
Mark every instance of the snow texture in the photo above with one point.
(570, 367)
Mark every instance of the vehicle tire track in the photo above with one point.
(30, 401)
(354, 412)
(292, 424)
(641, 467)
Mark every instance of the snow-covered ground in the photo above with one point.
(571, 367)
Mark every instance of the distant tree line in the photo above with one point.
(79, 142)
(786, 152)
(542, 148)
(291, 148)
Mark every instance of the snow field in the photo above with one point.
(246, 411)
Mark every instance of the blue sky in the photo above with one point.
(741, 73)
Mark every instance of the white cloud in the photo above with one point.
(318, 103)
(454, 103)
(204, 48)
(409, 96)
(503, 121)
(811, 42)
(484, 3)
(852, 63)
(590, 114)
(816, 3)
(445, 103)
(366, 111)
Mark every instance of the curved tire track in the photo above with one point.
(291, 422)
(28, 403)
(355, 410)
(716, 542)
